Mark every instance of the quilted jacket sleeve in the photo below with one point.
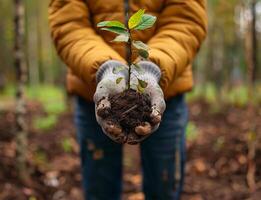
(181, 28)
(76, 40)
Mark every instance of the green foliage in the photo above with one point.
(66, 145)
(140, 45)
(142, 48)
(135, 19)
(55, 107)
(44, 93)
(118, 69)
(210, 93)
(140, 89)
(192, 131)
(115, 30)
(238, 96)
(207, 92)
(116, 24)
(195, 94)
(121, 38)
(40, 158)
(141, 21)
(52, 98)
(45, 123)
(235, 96)
(118, 80)
(142, 83)
(137, 68)
(143, 53)
(9, 91)
(147, 21)
(138, 21)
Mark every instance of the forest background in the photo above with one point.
(223, 135)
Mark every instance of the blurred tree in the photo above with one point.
(32, 45)
(6, 42)
(252, 70)
(21, 71)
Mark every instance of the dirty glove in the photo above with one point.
(106, 80)
(150, 73)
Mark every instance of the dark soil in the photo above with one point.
(129, 109)
(217, 159)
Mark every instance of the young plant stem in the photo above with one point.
(130, 58)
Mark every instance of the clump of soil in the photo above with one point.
(129, 109)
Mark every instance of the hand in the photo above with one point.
(151, 75)
(106, 79)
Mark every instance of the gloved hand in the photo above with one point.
(106, 79)
(150, 73)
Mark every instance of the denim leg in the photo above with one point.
(163, 154)
(101, 158)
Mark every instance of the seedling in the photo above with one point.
(137, 22)
(130, 108)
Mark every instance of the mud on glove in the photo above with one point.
(150, 73)
(106, 86)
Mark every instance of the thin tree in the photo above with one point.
(254, 41)
(252, 70)
(21, 74)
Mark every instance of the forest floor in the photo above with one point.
(216, 157)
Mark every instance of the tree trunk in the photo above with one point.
(254, 42)
(252, 69)
(21, 73)
(251, 48)
(32, 43)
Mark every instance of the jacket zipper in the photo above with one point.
(126, 13)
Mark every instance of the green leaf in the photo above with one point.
(118, 69)
(111, 24)
(66, 145)
(118, 80)
(140, 45)
(138, 68)
(147, 21)
(135, 19)
(142, 83)
(143, 53)
(45, 123)
(121, 38)
(115, 30)
(140, 89)
(142, 48)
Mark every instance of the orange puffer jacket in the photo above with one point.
(173, 41)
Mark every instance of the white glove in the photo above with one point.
(150, 73)
(106, 79)
(107, 85)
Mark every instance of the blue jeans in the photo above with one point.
(162, 155)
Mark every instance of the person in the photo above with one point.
(173, 41)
